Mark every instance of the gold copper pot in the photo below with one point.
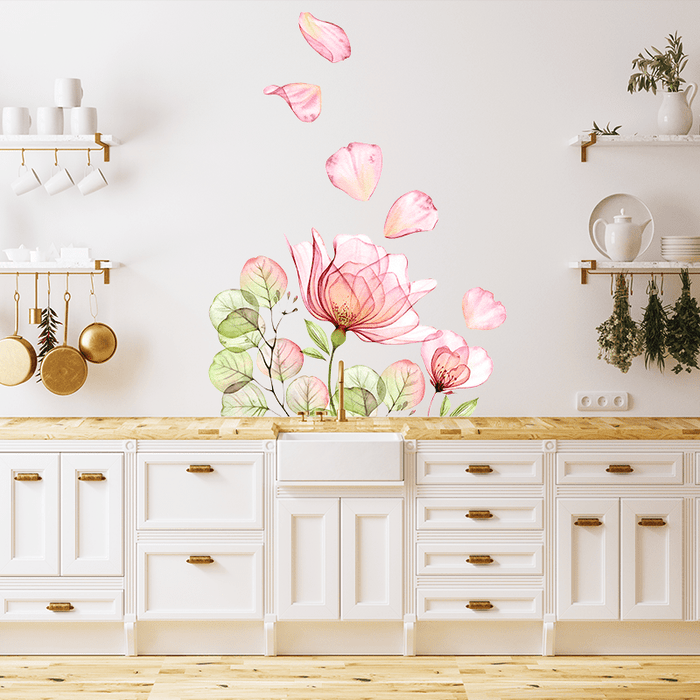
(17, 356)
(97, 342)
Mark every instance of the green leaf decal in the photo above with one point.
(445, 406)
(318, 335)
(404, 384)
(230, 371)
(245, 342)
(229, 300)
(312, 352)
(360, 402)
(306, 394)
(264, 278)
(248, 401)
(287, 360)
(464, 409)
(240, 322)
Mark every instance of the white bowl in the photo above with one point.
(20, 254)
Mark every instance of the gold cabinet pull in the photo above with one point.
(60, 607)
(479, 605)
(25, 476)
(479, 469)
(588, 522)
(479, 514)
(198, 559)
(200, 469)
(652, 522)
(90, 476)
(619, 469)
(479, 559)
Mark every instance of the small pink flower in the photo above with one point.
(303, 99)
(355, 169)
(325, 38)
(452, 364)
(410, 213)
(363, 289)
(481, 311)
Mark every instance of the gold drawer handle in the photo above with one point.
(479, 514)
(588, 522)
(619, 469)
(652, 522)
(479, 605)
(90, 476)
(200, 469)
(479, 469)
(27, 477)
(196, 559)
(60, 607)
(479, 559)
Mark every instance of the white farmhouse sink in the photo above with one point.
(339, 457)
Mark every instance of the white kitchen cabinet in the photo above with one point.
(339, 558)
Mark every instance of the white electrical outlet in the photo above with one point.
(602, 401)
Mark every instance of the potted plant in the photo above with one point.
(653, 67)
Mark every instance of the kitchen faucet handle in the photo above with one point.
(303, 415)
(320, 413)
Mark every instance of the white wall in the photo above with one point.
(472, 102)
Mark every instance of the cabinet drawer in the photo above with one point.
(440, 468)
(479, 604)
(66, 605)
(623, 468)
(182, 582)
(200, 491)
(479, 559)
(479, 514)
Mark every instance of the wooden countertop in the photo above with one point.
(475, 428)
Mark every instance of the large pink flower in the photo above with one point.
(363, 289)
(452, 364)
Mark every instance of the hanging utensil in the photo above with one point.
(64, 369)
(35, 313)
(97, 342)
(17, 356)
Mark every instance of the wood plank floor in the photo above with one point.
(350, 677)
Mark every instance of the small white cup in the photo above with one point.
(83, 120)
(49, 121)
(59, 181)
(94, 180)
(27, 181)
(67, 92)
(16, 121)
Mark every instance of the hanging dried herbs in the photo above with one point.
(47, 336)
(654, 330)
(683, 329)
(620, 338)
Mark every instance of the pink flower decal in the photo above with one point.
(325, 38)
(412, 212)
(355, 169)
(287, 360)
(304, 99)
(363, 289)
(481, 311)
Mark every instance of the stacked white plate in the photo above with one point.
(680, 248)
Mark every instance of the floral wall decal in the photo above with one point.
(481, 311)
(326, 38)
(303, 99)
(356, 169)
(410, 213)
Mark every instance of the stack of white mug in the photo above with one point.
(16, 121)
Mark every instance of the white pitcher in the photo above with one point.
(675, 116)
(622, 240)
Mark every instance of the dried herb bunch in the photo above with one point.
(47, 336)
(654, 331)
(683, 329)
(619, 338)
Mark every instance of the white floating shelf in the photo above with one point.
(99, 267)
(586, 140)
(609, 267)
(61, 142)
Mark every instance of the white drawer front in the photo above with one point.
(67, 605)
(228, 588)
(464, 513)
(440, 468)
(227, 497)
(474, 559)
(623, 468)
(454, 604)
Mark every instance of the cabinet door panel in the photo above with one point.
(29, 530)
(372, 558)
(652, 559)
(588, 559)
(91, 514)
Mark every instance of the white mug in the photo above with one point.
(59, 181)
(49, 121)
(27, 181)
(67, 92)
(15, 121)
(94, 180)
(83, 120)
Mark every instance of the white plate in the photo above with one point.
(610, 206)
(680, 257)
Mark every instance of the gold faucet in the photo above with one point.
(341, 392)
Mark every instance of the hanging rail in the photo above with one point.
(102, 267)
(49, 143)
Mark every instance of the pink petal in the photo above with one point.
(355, 169)
(481, 366)
(481, 311)
(324, 37)
(304, 99)
(412, 212)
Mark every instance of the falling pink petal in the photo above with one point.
(481, 311)
(324, 37)
(304, 99)
(355, 169)
(412, 212)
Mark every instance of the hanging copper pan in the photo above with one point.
(64, 369)
(17, 356)
(97, 342)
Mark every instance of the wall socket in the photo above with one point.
(602, 401)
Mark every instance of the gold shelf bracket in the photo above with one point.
(587, 144)
(105, 150)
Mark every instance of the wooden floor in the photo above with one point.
(359, 678)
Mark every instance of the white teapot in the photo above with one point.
(620, 241)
